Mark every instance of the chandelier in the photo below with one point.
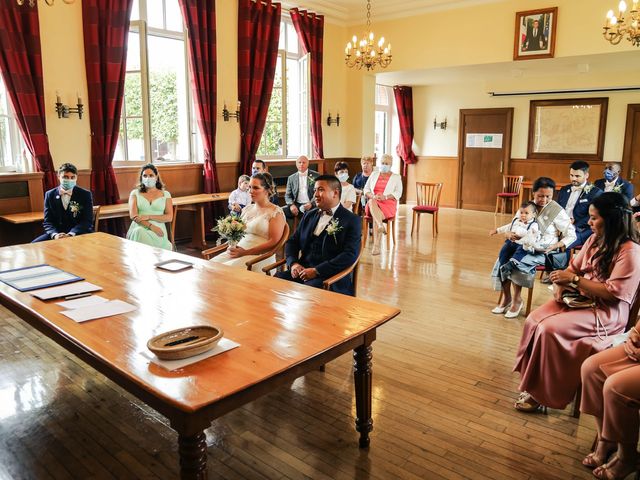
(366, 52)
(615, 28)
(32, 3)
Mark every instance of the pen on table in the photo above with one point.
(77, 295)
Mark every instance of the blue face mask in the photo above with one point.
(384, 168)
(149, 182)
(67, 184)
(609, 175)
(343, 177)
(254, 171)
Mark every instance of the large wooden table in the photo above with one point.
(195, 202)
(285, 330)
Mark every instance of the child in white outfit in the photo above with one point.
(240, 197)
(524, 233)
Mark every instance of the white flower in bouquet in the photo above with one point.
(231, 229)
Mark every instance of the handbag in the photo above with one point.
(556, 260)
(574, 299)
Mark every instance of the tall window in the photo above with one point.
(156, 123)
(13, 151)
(287, 130)
(387, 129)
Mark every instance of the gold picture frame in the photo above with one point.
(535, 34)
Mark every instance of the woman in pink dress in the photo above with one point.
(382, 190)
(557, 339)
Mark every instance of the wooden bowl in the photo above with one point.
(184, 342)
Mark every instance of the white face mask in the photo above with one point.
(343, 177)
(384, 168)
(149, 182)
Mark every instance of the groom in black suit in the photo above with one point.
(326, 241)
(68, 209)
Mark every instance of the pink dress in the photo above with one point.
(388, 207)
(556, 339)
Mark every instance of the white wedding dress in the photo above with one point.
(257, 232)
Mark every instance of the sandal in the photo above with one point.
(591, 461)
(526, 403)
(605, 471)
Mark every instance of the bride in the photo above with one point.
(265, 226)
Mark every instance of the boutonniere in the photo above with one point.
(587, 188)
(617, 188)
(311, 180)
(333, 228)
(75, 208)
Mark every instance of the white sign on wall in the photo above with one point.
(484, 140)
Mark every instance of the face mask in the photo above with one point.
(343, 177)
(254, 171)
(609, 175)
(67, 184)
(149, 182)
(385, 168)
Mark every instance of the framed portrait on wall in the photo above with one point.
(535, 35)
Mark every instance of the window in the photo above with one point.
(387, 128)
(157, 121)
(287, 130)
(14, 155)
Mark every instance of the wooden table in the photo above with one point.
(195, 203)
(285, 330)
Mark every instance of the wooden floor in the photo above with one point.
(443, 392)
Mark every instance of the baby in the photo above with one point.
(526, 230)
(240, 197)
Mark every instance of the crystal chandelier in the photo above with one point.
(32, 3)
(366, 52)
(616, 28)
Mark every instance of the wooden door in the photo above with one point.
(631, 152)
(484, 144)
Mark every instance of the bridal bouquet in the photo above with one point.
(231, 229)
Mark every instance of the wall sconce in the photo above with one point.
(226, 114)
(441, 125)
(331, 121)
(63, 111)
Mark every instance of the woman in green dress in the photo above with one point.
(150, 207)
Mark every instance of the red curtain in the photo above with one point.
(200, 18)
(21, 68)
(106, 29)
(258, 36)
(310, 28)
(404, 104)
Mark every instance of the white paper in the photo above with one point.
(82, 302)
(223, 345)
(484, 140)
(65, 290)
(105, 309)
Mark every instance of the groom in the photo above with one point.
(326, 241)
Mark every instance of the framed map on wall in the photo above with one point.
(569, 129)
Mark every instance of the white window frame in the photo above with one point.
(140, 27)
(392, 121)
(16, 141)
(284, 55)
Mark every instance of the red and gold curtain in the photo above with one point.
(404, 104)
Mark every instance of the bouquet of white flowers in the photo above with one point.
(231, 229)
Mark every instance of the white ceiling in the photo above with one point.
(353, 12)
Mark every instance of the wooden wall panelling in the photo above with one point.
(435, 170)
(558, 170)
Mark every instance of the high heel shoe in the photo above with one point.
(590, 460)
(512, 314)
(376, 250)
(604, 471)
(499, 309)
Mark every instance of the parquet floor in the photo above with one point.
(443, 393)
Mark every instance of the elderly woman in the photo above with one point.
(150, 207)
(556, 339)
(382, 191)
(556, 231)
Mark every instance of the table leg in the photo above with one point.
(193, 456)
(362, 379)
(198, 239)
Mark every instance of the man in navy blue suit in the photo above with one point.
(68, 209)
(576, 198)
(326, 241)
(613, 183)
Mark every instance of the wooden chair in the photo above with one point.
(511, 186)
(357, 206)
(96, 217)
(212, 252)
(428, 201)
(391, 229)
(171, 228)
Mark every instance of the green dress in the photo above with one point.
(138, 233)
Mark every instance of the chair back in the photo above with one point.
(512, 183)
(96, 217)
(355, 208)
(428, 194)
(278, 247)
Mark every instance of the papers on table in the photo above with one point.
(65, 290)
(36, 277)
(223, 345)
(99, 310)
(82, 302)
